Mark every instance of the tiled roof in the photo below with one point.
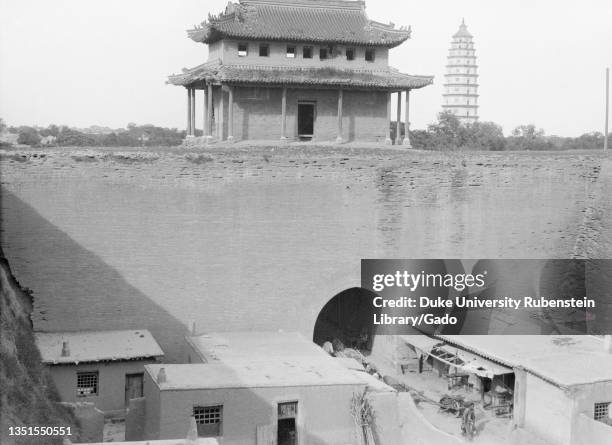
(90, 346)
(217, 72)
(329, 21)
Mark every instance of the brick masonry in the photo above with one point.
(257, 114)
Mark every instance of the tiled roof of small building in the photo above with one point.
(329, 21)
(217, 72)
(96, 346)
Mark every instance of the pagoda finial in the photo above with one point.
(463, 21)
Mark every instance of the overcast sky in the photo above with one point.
(105, 62)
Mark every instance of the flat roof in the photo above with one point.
(272, 373)
(240, 345)
(198, 441)
(564, 360)
(96, 346)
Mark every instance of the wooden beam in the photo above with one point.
(188, 111)
(230, 115)
(388, 130)
(339, 137)
(398, 120)
(209, 111)
(284, 114)
(205, 112)
(406, 141)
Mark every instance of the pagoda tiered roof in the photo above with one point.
(323, 21)
(216, 72)
(463, 32)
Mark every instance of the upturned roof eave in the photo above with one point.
(215, 72)
(213, 35)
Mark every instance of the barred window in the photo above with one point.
(601, 410)
(208, 420)
(291, 51)
(350, 54)
(87, 384)
(369, 55)
(264, 50)
(307, 52)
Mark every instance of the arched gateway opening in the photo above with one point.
(347, 318)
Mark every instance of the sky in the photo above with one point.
(105, 62)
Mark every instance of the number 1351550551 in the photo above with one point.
(39, 430)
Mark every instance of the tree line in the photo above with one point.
(63, 136)
(449, 133)
(446, 134)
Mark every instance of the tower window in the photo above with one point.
(350, 54)
(369, 55)
(243, 49)
(264, 50)
(307, 52)
(323, 53)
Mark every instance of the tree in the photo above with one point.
(447, 133)
(28, 136)
(528, 137)
(74, 138)
(484, 136)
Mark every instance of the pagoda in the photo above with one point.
(461, 78)
(297, 70)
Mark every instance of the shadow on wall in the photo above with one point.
(63, 296)
(348, 318)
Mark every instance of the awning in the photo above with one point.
(422, 342)
(469, 362)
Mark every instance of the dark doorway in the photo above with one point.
(287, 434)
(306, 116)
(133, 387)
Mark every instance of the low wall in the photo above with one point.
(416, 429)
(588, 431)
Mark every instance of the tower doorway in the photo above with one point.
(305, 118)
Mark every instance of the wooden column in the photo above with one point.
(398, 121)
(220, 118)
(388, 130)
(339, 137)
(209, 112)
(230, 115)
(284, 114)
(188, 111)
(205, 113)
(406, 141)
(193, 112)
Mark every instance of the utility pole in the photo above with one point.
(607, 107)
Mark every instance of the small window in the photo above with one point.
(369, 55)
(242, 49)
(287, 410)
(307, 52)
(264, 50)
(600, 411)
(350, 54)
(291, 52)
(209, 420)
(87, 384)
(323, 53)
